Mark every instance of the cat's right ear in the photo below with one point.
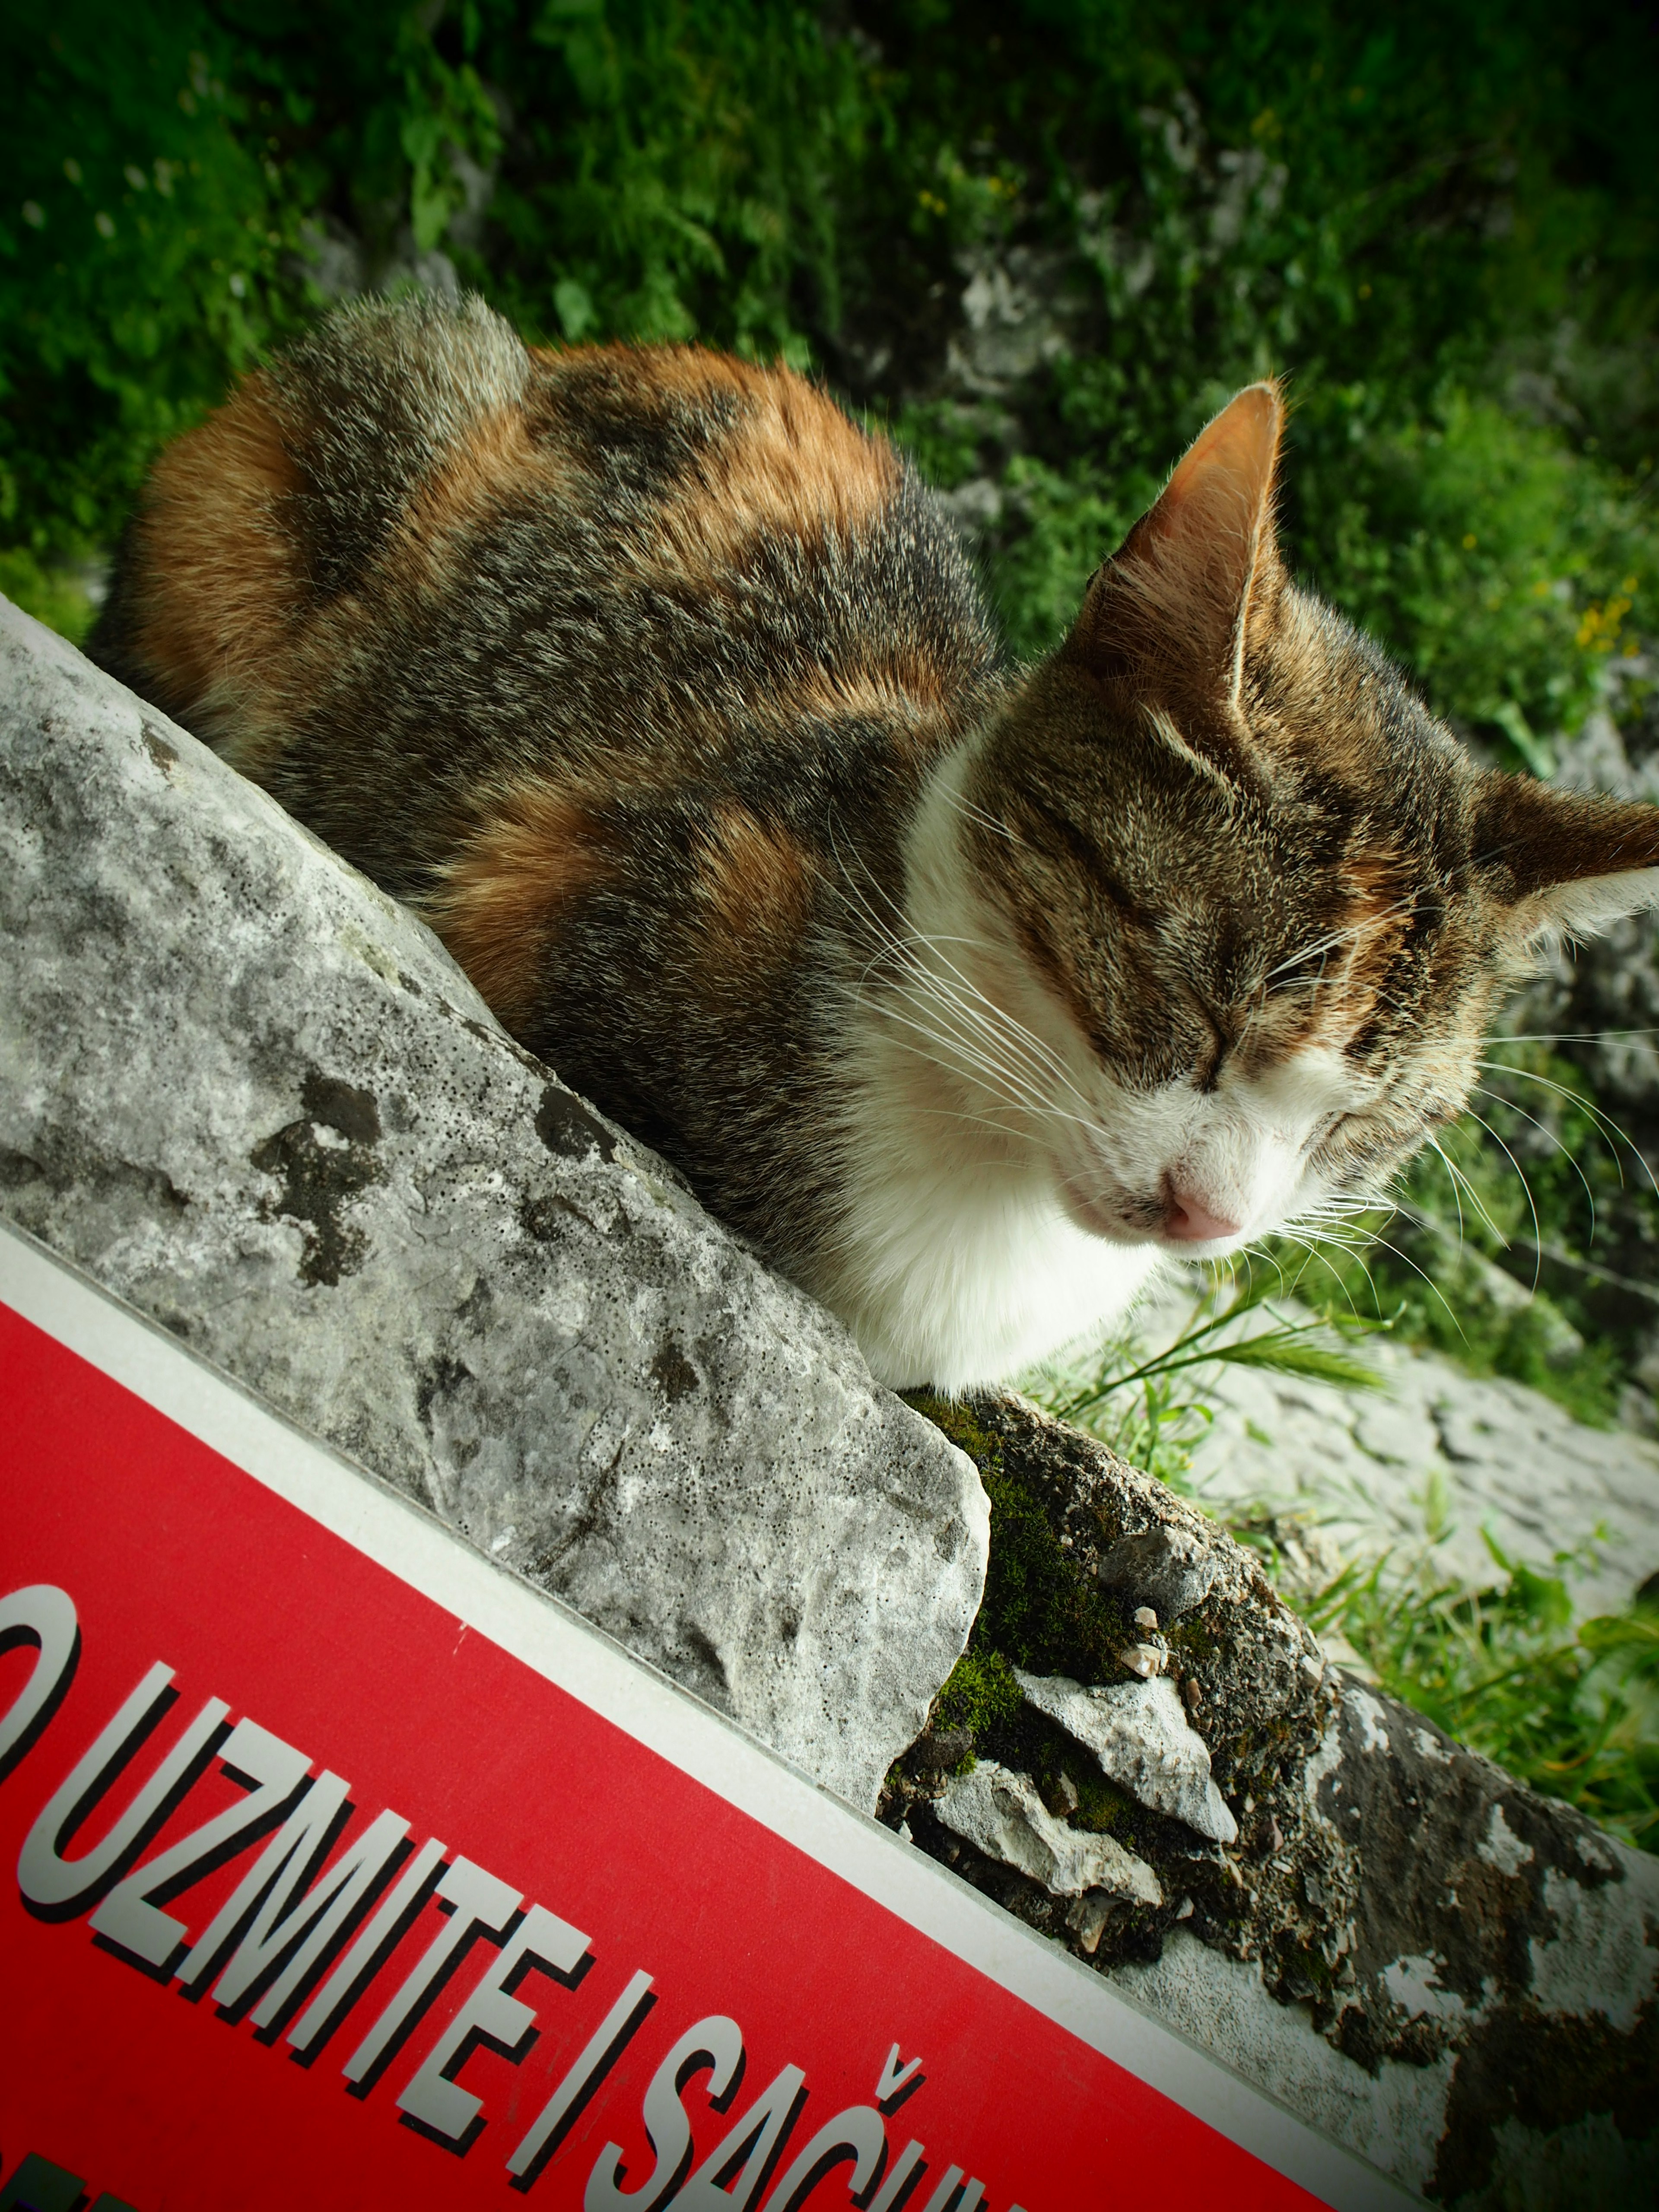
(1563, 864)
(1168, 612)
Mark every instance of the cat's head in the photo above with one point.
(1263, 903)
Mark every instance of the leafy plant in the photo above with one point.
(1308, 1344)
(1153, 1407)
(140, 242)
(1504, 565)
(1576, 1714)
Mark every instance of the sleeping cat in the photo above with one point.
(965, 991)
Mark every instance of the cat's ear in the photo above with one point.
(1169, 609)
(1563, 863)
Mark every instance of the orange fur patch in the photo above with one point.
(757, 884)
(222, 581)
(539, 851)
(796, 465)
(791, 464)
(496, 457)
(902, 691)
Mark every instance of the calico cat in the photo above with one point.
(965, 991)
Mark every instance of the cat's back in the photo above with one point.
(412, 540)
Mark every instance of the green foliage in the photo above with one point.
(1399, 216)
(139, 242)
(55, 596)
(677, 170)
(1214, 192)
(1509, 1199)
(1575, 1715)
(1507, 567)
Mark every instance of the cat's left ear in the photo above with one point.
(1563, 863)
(1169, 609)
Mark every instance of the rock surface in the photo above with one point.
(1138, 1733)
(254, 1097)
(1167, 1567)
(1455, 1977)
(1439, 1450)
(1002, 1814)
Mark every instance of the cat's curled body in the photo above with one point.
(666, 695)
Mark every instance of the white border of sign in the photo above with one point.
(399, 1534)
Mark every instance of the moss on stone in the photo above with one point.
(1038, 1611)
(957, 1422)
(1101, 1805)
(1190, 1637)
(979, 1692)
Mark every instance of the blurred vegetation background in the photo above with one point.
(1041, 241)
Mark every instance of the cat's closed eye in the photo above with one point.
(1297, 972)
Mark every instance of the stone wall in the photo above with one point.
(1455, 1977)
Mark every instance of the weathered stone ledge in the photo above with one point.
(1454, 1976)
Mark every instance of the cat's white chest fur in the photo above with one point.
(970, 1271)
(958, 1262)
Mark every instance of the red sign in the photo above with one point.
(351, 1872)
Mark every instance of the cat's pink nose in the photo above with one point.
(1189, 1221)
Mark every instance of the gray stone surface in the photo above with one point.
(1168, 1569)
(255, 1098)
(1456, 1977)
(1390, 2116)
(1001, 1815)
(1138, 1733)
(1439, 1458)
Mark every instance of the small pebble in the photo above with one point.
(1143, 1659)
(1066, 1790)
(1145, 1620)
(1088, 1917)
(1191, 1691)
